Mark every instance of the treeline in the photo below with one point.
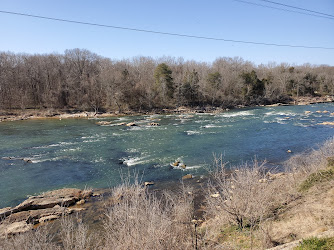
(80, 79)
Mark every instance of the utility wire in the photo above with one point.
(298, 8)
(293, 11)
(165, 33)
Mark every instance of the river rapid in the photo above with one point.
(80, 153)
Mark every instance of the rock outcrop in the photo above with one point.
(41, 209)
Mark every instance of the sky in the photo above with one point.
(227, 19)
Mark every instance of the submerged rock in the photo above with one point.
(27, 160)
(154, 124)
(326, 123)
(182, 165)
(131, 124)
(187, 176)
(103, 123)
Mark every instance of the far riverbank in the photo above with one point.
(25, 114)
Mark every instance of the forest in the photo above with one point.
(81, 80)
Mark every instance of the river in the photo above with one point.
(80, 153)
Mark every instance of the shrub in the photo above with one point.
(139, 220)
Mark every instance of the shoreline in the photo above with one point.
(27, 114)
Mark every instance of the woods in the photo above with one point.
(82, 80)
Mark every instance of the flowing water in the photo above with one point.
(80, 153)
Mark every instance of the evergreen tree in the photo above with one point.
(164, 81)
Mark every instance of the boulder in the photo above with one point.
(216, 195)
(175, 164)
(131, 124)
(187, 176)
(154, 124)
(148, 183)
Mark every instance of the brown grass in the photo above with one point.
(244, 197)
(140, 220)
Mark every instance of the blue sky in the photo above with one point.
(227, 19)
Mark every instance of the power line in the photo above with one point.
(298, 8)
(293, 11)
(165, 33)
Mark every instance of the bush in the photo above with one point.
(139, 220)
(245, 196)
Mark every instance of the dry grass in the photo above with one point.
(244, 197)
(140, 220)
(269, 209)
(312, 212)
(40, 239)
(74, 235)
(302, 165)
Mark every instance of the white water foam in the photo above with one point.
(136, 160)
(36, 160)
(194, 167)
(202, 121)
(212, 126)
(71, 149)
(193, 132)
(55, 145)
(241, 113)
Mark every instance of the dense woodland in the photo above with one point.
(82, 80)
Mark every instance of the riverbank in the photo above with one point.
(18, 114)
(248, 208)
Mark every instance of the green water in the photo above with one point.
(79, 153)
